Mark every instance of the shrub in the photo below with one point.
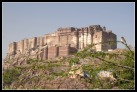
(9, 76)
(122, 69)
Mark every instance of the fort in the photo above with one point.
(65, 41)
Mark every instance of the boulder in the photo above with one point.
(106, 75)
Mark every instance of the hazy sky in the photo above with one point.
(26, 20)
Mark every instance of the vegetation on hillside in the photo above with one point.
(38, 74)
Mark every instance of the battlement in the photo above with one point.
(67, 29)
(96, 27)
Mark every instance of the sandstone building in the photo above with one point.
(66, 40)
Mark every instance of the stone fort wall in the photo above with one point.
(76, 38)
(55, 51)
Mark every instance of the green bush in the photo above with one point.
(30, 61)
(73, 60)
(10, 75)
(122, 68)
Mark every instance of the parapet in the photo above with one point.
(96, 27)
(67, 29)
(109, 31)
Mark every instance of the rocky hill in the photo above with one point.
(85, 69)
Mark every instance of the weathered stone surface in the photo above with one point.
(63, 42)
(107, 76)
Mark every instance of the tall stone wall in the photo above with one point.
(26, 44)
(20, 46)
(50, 40)
(12, 48)
(78, 38)
(55, 51)
(45, 53)
(67, 36)
(74, 41)
(108, 36)
(40, 41)
(64, 50)
(32, 42)
(52, 52)
(84, 38)
(97, 38)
